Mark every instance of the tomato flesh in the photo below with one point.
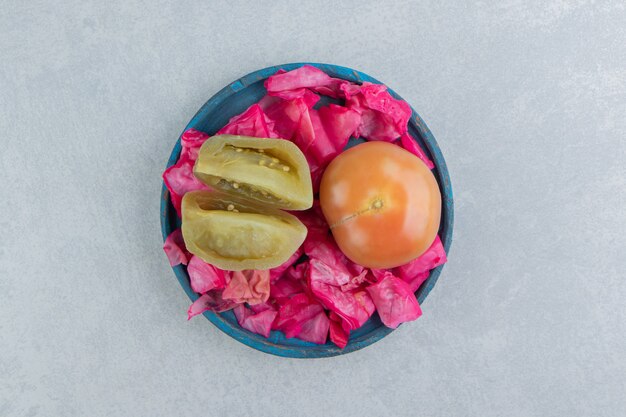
(271, 172)
(236, 234)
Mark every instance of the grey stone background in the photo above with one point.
(527, 101)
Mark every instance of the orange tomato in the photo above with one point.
(382, 203)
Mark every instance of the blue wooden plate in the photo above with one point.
(215, 113)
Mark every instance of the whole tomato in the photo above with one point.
(382, 203)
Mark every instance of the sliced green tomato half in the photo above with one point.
(271, 172)
(234, 234)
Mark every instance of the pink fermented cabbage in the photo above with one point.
(277, 272)
(179, 180)
(249, 286)
(336, 275)
(332, 127)
(259, 323)
(315, 330)
(174, 247)
(253, 122)
(394, 301)
(355, 281)
(354, 307)
(257, 308)
(287, 115)
(297, 272)
(304, 135)
(344, 273)
(378, 274)
(434, 256)
(295, 313)
(322, 246)
(334, 88)
(354, 268)
(417, 280)
(191, 141)
(411, 145)
(284, 288)
(317, 171)
(313, 219)
(205, 277)
(305, 76)
(210, 301)
(338, 335)
(349, 90)
(320, 134)
(382, 116)
(307, 96)
(274, 103)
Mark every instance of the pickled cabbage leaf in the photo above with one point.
(259, 323)
(249, 286)
(205, 277)
(394, 301)
(174, 247)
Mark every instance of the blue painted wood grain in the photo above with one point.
(234, 99)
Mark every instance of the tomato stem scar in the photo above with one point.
(376, 205)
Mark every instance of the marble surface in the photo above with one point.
(527, 101)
